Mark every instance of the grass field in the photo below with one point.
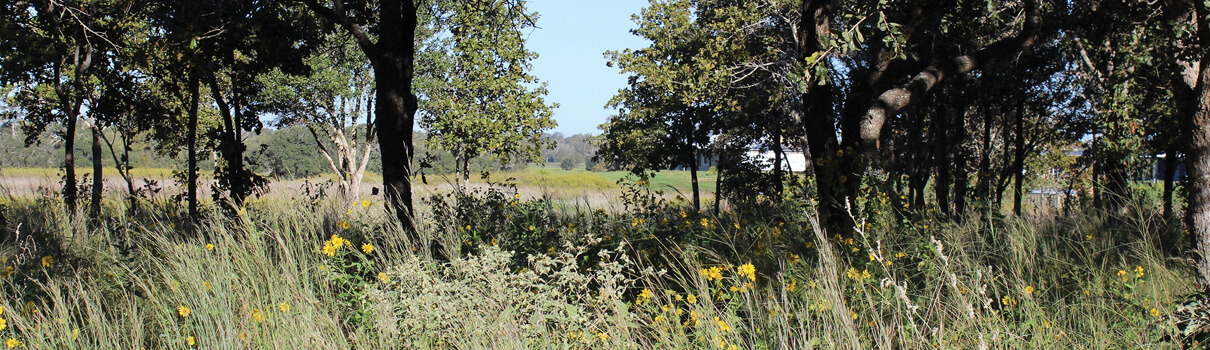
(519, 271)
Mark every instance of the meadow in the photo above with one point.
(524, 264)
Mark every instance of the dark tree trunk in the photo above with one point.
(960, 154)
(778, 174)
(1019, 147)
(191, 195)
(941, 158)
(697, 200)
(1170, 164)
(983, 188)
(98, 184)
(718, 180)
(395, 106)
(69, 164)
(819, 123)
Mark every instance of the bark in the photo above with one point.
(893, 100)
(960, 155)
(1197, 158)
(1170, 164)
(69, 163)
(191, 194)
(983, 187)
(697, 199)
(941, 158)
(718, 181)
(1197, 211)
(778, 174)
(1019, 147)
(94, 207)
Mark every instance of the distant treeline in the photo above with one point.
(286, 153)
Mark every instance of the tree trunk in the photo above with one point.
(191, 195)
(98, 184)
(819, 122)
(778, 175)
(960, 154)
(1170, 164)
(395, 107)
(1019, 147)
(718, 180)
(69, 163)
(941, 158)
(983, 187)
(697, 200)
(1197, 160)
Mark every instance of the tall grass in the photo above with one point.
(652, 276)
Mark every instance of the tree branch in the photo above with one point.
(341, 18)
(895, 99)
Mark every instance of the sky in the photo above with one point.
(571, 40)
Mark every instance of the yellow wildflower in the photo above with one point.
(713, 273)
(722, 325)
(1122, 274)
(344, 224)
(368, 248)
(12, 343)
(657, 318)
(691, 299)
(209, 246)
(748, 270)
(852, 273)
(257, 315)
(284, 307)
(365, 203)
(329, 249)
(1029, 290)
(190, 341)
(1154, 313)
(338, 241)
(75, 334)
(793, 258)
(602, 336)
(184, 311)
(382, 276)
(643, 296)
(705, 223)
(865, 274)
(693, 315)
(792, 285)
(3, 324)
(517, 196)
(1046, 323)
(47, 261)
(1138, 272)
(243, 335)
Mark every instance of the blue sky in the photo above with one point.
(572, 37)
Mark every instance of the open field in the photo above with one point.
(524, 272)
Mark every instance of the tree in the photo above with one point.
(474, 94)
(385, 34)
(665, 117)
(50, 53)
(1194, 84)
(329, 102)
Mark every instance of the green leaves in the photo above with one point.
(477, 94)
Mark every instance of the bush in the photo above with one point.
(567, 164)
